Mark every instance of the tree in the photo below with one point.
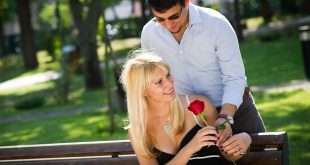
(2, 47)
(87, 24)
(27, 39)
(237, 18)
(7, 13)
(143, 10)
(265, 11)
(305, 7)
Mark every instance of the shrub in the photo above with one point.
(29, 102)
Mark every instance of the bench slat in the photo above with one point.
(99, 148)
(264, 158)
(128, 160)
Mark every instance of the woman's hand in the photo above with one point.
(237, 145)
(204, 137)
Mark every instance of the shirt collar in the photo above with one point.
(194, 15)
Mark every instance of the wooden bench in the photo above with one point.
(269, 148)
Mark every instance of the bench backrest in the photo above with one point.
(267, 148)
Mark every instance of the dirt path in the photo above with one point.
(41, 115)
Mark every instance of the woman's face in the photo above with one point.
(161, 88)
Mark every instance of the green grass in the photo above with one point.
(12, 66)
(275, 62)
(288, 111)
(79, 127)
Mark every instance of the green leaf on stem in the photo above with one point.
(221, 126)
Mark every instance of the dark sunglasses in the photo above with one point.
(171, 18)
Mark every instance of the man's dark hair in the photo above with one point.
(163, 5)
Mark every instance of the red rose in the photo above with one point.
(196, 107)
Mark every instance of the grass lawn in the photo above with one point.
(72, 128)
(267, 64)
(288, 111)
(273, 63)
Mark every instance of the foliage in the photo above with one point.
(29, 102)
(126, 28)
(109, 3)
(251, 8)
(269, 36)
(56, 30)
(7, 10)
(70, 65)
(289, 6)
(47, 15)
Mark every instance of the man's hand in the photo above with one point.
(223, 135)
(237, 145)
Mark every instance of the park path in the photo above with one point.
(41, 115)
(29, 80)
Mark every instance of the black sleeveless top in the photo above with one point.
(206, 156)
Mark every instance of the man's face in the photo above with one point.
(173, 19)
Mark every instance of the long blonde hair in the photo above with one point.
(136, 77)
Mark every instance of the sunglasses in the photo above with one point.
(171, 18)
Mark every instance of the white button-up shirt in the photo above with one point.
(207, 61)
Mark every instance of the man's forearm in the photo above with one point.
(228, 109)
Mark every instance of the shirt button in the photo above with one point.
(181, 51)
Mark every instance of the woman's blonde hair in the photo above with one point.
(136, 77)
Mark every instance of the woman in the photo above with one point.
(161, 130)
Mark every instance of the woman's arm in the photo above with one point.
(236, 146)
(204, 137)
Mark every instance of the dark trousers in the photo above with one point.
(247, 118)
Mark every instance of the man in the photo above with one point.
(202, 49)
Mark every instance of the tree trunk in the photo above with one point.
(2, 47)
(88, 44)
(238, 26)
(27, 39)
(132, 6)
(143, 9)
(114, 12)
(305, 7)
(265, 11)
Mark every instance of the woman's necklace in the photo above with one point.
(167, 126)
